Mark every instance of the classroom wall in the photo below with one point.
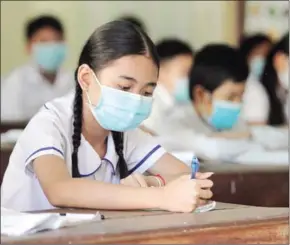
(198, 22)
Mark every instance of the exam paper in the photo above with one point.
(14, 223)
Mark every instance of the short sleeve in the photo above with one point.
(42, 136)
(255, 103)
(141, 151)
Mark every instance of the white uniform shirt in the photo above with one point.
(50, 132)
(256, 105)
(24, 91)
(188, 132)
(184, 130)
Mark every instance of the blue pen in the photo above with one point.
(194, 167)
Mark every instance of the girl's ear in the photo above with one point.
(84, 76)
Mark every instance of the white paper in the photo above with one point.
(14, 223)
(205, 208)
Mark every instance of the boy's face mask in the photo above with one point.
(221, 114)
(181, 90)
(49, 55)
(257, 65)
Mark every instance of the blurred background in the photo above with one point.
(198, 22)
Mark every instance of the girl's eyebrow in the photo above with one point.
(129, 78)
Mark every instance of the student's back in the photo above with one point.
(28, 87)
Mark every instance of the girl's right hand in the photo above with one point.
(183, 194)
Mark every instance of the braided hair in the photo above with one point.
(108, 43)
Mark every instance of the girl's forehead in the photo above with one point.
(139, 67)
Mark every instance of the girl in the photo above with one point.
(266, 102)
(74, 151)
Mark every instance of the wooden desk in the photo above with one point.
(228, 224)
(256, 185)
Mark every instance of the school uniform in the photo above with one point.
(256, 104)
(25, 90)
(186, 131)
(164, 104)
(50, 132)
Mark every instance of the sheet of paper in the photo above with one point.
(201, 209)
(15, 223)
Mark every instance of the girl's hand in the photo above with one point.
(135, 180)
(206, 175)
(184, 193)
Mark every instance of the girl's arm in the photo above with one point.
(61, 190)
(64, 191)
(169, 167)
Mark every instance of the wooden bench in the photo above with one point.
(229, 223)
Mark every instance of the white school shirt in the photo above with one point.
(50, 132)
(24, 91)
(256, 105)
(164, 105)
(188, 132)
(184, 130)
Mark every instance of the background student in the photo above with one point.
(176, 59)
(28, 87)
(255, 48)
(77, 148)
(211, 126)
(266, 102)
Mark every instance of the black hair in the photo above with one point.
(216, 63)
(135, 21)
(269, 80)
(43, 21)
(248, 43)
(109, 42)
(169, 48)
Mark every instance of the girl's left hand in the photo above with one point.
(135, 180)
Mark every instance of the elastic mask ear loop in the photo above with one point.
(98, 82)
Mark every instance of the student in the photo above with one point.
(216, 86)
(28, 87)
(76, 149)
(266, 102)
(255, 49)
(172, 91)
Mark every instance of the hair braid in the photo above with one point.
(121, 165)
(77, 129)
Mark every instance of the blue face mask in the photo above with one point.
(119, 110)
(225, 114)
(257, 65)
(49, 56)
(181, 92)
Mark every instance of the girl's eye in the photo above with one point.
(125, 88)
(148, 94)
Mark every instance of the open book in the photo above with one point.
(14, 223)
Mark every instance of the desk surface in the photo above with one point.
(227, 224)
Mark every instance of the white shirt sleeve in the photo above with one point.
(255, 103)
(11, 98)
(141, 151)
(41, 137)
(205, 147)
